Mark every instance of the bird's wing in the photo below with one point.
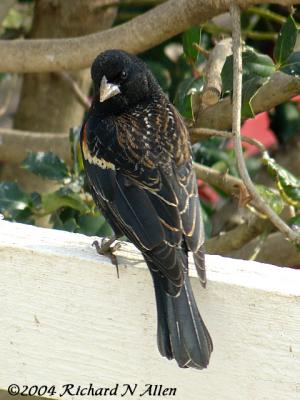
(158, 141)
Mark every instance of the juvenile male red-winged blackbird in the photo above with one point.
(137, 158)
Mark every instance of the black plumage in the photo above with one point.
(138, 162)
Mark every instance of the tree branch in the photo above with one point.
(137, 35)
(267, 14)
(280, 88)
(213, 83)
(227, 183)
(236, 128)
(275, 250)
(197, 134)
(80, 96)
(237, 237)
(14, 144)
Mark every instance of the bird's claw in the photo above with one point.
(107, 248)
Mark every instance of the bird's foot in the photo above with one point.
(107, 248)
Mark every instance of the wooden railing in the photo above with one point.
(67, 319)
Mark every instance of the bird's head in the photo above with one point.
(120, 80)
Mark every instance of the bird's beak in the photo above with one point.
(108, 90)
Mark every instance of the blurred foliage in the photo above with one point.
(18, 21)
(270, 37)
(70, 207)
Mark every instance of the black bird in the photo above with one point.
(137, 158)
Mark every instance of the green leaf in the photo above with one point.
(93, 224)
(286, 41)
(287, 184)
(63, 197)
(250, 88)
(36, 199)
(13, 20)
(294, 222)
(257, 64)
(257, 69)
(271, 197)
(254, 64)
(47, 165)
(13, 201)
(292, 65)
(192, 35)
(69, 225)
(183, 98)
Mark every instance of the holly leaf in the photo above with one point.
(287, 184)
(257, 69)
(257, 64)
(271, 197)
(47, 165)
(63, 197)
(294, 222)
(254, 65)
(184, 95)
(192, 35)
(286, 41)
(69, 224)
(13, 201)
(292, 65)
(250, 88)
(93, 225)
(13, 20)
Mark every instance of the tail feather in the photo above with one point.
(199, 259)
(181, 333)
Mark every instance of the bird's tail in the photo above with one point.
(181, 333)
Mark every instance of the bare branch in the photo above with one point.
(137, 35)
(237, 237)
(236, 128)
(275, 250)
(213, 83)
(205, 133)
(201, 50)
(80, 96)
(227, 183)
(8, 91)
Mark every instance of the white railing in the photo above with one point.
(67, 319)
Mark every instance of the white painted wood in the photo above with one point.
(66, 318)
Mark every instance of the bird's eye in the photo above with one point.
(123, 75)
